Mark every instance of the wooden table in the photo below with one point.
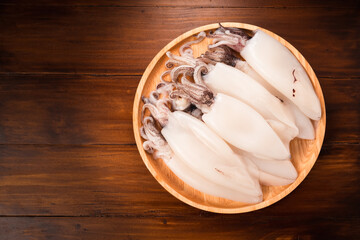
(69, 167)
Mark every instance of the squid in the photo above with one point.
(223, 54)
(272, 172)
(157, 145)
(198, 156)
(302, 122)
(274, 63)
(233, 120)
(233, 82)
(275, 173)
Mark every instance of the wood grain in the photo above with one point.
(192, 227)
(66, 109)
(188, 3)
(61, 89)
(112, 180)
(90, 40)
(97, 109)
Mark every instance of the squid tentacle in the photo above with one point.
(221, 36)
(149, 146)
(185, 81)
(155, 140)
(206, 60)
(180, 102)
(179, 94)
(221, 54)
(152, 132)
(189, 60)
(182, 69)
(229, 43)
(143, 133)
(171, 63)
(152, 109)
(159, 114)
(193, 86)
(162, 105)
(162, 76)
(158, 109)
(198, 71)
(233, 37)
(197, 94)
(164, 87)
(154, 97)
(186, 50)
(235, 31)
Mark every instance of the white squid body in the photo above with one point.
(280, 68)
(273, 172)
(190, 177)
(235, 83)
(302, 122)
(204, 158)
(243, 127)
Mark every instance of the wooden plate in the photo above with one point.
(304, 152)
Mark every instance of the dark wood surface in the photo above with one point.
(69, 167)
